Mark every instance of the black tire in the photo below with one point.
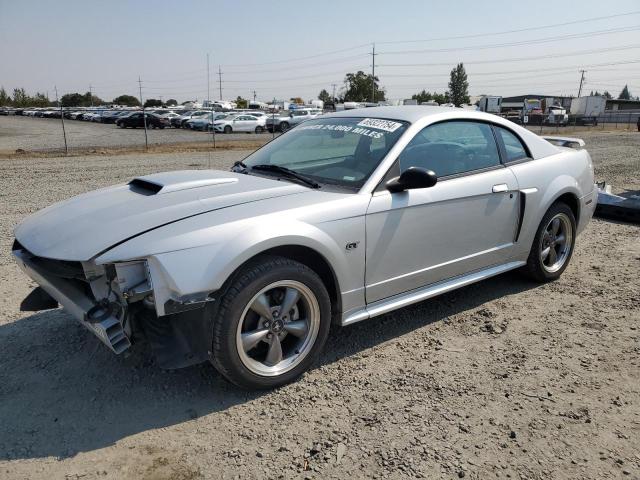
(228, 129)
(122, 125)
(535, 268)
(259, 129)
(284, 126)
(242, 288)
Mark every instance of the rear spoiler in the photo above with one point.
(570, 142)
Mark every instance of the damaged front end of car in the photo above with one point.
(116, 302)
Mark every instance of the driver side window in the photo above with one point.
(450, 148)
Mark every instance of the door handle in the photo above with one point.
(500, 188)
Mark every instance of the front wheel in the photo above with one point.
(284, 126)
(227, 129)
(259, 129)
(553, 244)
(271, 325)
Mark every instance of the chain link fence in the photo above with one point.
(623, 120)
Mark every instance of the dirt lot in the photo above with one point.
(45, 134)
(502, 379)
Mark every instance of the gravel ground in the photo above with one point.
(502, 379)
(45, 134)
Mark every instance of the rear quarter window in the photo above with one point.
(514, 148)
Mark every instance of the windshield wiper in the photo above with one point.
(241, 164)
(286, 172)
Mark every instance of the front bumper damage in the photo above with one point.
(116, 303)
(104, 324)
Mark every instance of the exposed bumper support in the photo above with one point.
(109, 330)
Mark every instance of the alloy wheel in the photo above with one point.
(278, 328)
(556, 243)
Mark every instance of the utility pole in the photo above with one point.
(254, 95)
(373, 73)
(208, 90)
(144, 117)
(64, 133)
(333, 97)
(581, 82)
(220, 80)
(90, 96)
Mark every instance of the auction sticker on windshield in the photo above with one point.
(379, 124)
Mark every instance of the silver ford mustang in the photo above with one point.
(345, 217)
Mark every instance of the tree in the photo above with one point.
(127, 100)
(441, 97)
(20, 98)
(423, 96)
(606, 94)
(171, 102)
(625, 94)
(324, 96)
(152, 102)
(80, 100)
(241, 102)
(297, 100)
(459, 86)
(357, 88)
(5, 99)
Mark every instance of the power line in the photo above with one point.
(306, 57)
(511, 71)
(518, 43)
(515, 59)
(504, 32)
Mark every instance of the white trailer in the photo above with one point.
(490, 104)
(588, 109)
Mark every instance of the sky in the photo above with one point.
(284, 49)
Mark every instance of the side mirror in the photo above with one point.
(411, 178)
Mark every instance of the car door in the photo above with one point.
(466, 222)
(251, 123)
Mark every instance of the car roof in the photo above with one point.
(408, 113)
(413, 113)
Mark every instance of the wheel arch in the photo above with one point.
(309, 257)
(572, 201)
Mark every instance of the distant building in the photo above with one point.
(617, 104)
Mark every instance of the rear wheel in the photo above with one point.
(553, 244)
(228, 129)
(284, 126)
(271, 325)
(259, 129)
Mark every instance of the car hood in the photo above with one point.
(84, 226)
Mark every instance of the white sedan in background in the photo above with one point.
(240, 123)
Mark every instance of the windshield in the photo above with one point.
(338, 151)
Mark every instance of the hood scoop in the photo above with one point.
(162, 183)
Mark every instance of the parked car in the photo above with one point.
(239, 123)
(136, 120)
(182, 119)
(285, 121)
(346, 217)
(204, 122)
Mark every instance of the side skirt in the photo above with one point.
(414, 296)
